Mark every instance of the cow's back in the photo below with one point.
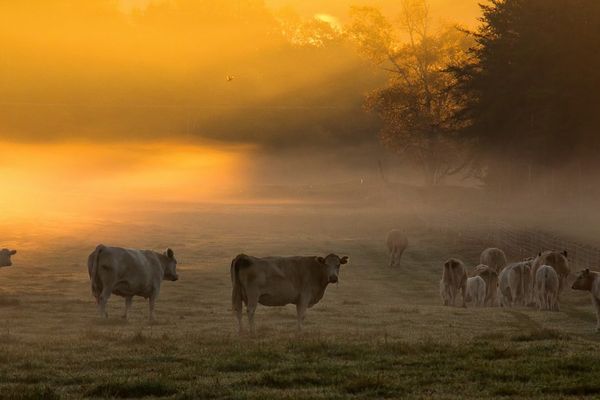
(130, 271)
(278, 280)
(493, 258)
(396, 239)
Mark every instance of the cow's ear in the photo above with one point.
(321, 260)
(12, 252)
(169, 253)
(344, 260)
(586, 271)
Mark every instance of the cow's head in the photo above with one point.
(5, 257)
(170, 266)
(584, 280)
(332, 263)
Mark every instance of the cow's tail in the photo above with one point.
(450, 274)
(96, 283)
(522, 273)
(543, 294)
(239, 262)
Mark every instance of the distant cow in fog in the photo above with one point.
(454, 279)
(396, 244)
(490, 277)
(5, 254)
(278, 281)
(128, 273)
(546, 288)
(514, 284)
(476, 290)
(493, 258)
(590, 281)
(555, 259)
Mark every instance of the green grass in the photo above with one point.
(380, 333)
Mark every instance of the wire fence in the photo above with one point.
(517, 242)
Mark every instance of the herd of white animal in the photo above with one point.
(277, 281)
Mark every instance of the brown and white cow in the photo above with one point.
(493, 258)
(128, 273)
(547, 284)
(590, 281)
(490, 277)
(396, 242)
(278, 281)
(5, 255)
(454, 279)
(555, 259)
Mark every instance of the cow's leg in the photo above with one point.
(301, 313)
(596, 304)
(104, 296)
(236, 301)
(252, 296)
(128, 301)
(463, 291)
(151, 303)
(393, 257)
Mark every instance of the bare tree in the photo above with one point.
(417, 105)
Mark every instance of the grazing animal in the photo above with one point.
(514, 284)
(490, 277)
(476, 290)
(590, 281)
(5, 254)
(277, 281)
(128, 273)
(454, 279)
(546, 288)
(493, 258)
(555, 259)
(396, 244)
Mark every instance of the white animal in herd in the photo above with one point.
(277, 281)
(396, 243)
(454, 280)
(547, 285)
(514, 284)
(476, 290)
(493, 258)
(590, 281)
(128, 273)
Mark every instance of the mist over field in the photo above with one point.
(297, 128)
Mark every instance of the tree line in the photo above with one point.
(513, 103)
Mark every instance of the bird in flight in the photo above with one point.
(230, 78)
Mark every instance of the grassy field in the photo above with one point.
(379, 333)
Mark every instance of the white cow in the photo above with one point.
(547, 285)
(396, 243)
(590, 281)
(128, 273)
(476, 290)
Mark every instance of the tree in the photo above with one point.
(417, 105)
(531, 90)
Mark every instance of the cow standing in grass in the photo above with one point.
(546, 290)
(128, 273)
(454, 280)
(514, 284)
(396, 242)
(555, 259)
(5, 255)
(476, 290)
(590, 281)
(490, 277)
(278, 281)
(493, 258)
